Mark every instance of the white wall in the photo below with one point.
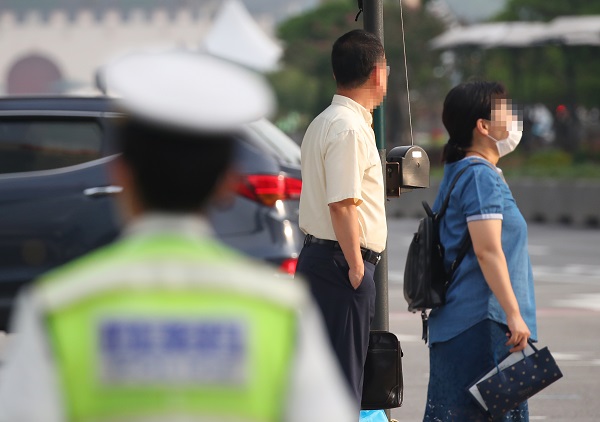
(80, 45)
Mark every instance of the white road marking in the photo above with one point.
(3, 343)
(566, 356)
(574, 359)
(583, 301)
(538, 250)
(592, 270)
(408, 338)
(543, 396)
(585, 274)
(396, 277)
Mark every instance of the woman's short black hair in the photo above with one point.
(463, 106)
(354, 56)
(174, 170)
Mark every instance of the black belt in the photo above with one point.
(367, 254)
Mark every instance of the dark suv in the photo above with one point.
(57, 202)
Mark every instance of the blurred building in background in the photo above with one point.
(55, 46)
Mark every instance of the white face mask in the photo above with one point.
(509, 144)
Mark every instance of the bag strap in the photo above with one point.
(503, 341)
(442, 210)
(462, 252)
(466, 243)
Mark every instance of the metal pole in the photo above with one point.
(373, 22)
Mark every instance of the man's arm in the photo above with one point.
(344, 218)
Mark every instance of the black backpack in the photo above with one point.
(425, 277)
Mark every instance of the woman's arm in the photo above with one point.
(487, 244)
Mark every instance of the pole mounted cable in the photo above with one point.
(360, 10)
(412, 140)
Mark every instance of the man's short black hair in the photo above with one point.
(354, 56)
(174, 170)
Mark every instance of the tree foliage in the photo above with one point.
(546, 10)
(305, 85)
(426, 89)
(552, 74)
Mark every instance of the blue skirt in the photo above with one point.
(455, 364)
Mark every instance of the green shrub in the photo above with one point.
(551, 159)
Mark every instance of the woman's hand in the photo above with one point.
(519, 333)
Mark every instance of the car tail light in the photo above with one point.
(289, 265)
(268, 189)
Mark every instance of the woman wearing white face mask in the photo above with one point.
(490, 305)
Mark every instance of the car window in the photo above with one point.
(271, 138)
(43, 144)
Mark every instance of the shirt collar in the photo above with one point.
(188, 225)
(473, 158)
(354, 106)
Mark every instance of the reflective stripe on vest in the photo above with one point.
(176, 342)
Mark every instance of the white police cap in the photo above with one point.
(191, 90)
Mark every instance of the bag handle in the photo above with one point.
(502, 341)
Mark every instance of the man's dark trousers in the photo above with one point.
(347, 312)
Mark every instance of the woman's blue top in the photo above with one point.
(480, 194)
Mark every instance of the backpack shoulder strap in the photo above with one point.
(442, 210)
(466, 243)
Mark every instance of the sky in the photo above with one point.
(277, 9)
(467, 10)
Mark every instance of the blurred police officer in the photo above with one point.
(167, 324)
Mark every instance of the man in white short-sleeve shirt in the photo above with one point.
(342, 205)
